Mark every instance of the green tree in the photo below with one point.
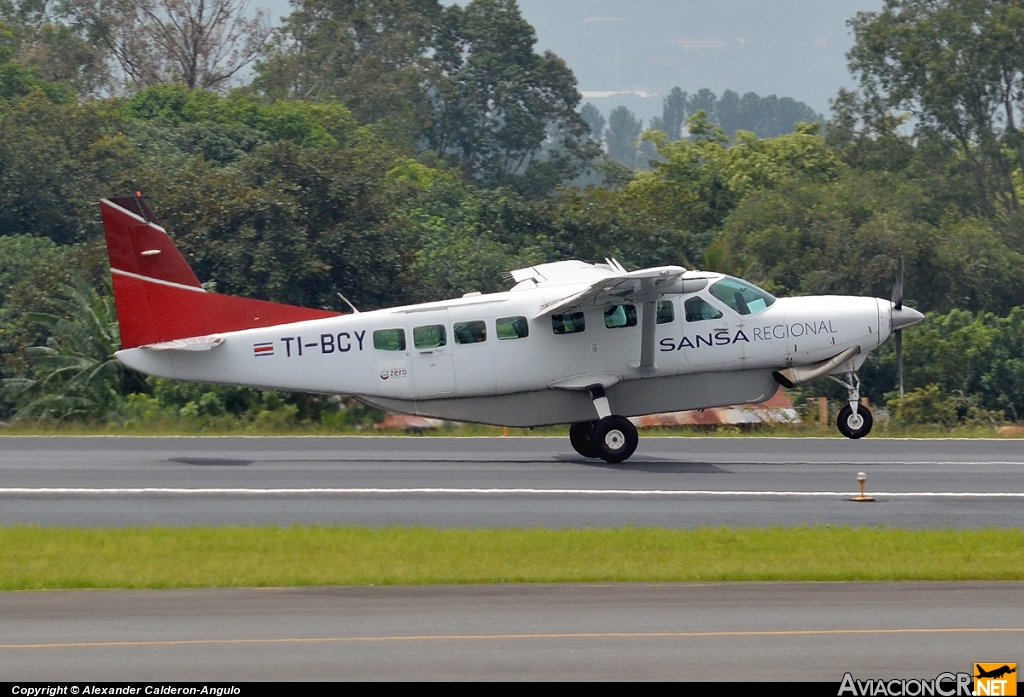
(371, 55)
(622, 136)
(765, 116)
(673, 115)
(700, 180)
(199, 43)
(39, 35)
(844, 237)
(592, 115)
(75, 374)
(504, 113)
(958, 67)
(56, 161)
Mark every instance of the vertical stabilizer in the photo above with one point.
(158, 296)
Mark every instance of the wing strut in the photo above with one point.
(648, 327)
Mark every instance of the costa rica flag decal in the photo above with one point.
(265, 349)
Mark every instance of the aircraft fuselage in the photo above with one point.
(471, 359)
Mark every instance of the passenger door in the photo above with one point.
(432, 368)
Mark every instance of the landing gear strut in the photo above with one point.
(855, 419)
(612, 438)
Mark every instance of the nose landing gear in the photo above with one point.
(854, 424)
(854, 419)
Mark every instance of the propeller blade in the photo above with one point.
(897, 288)
(899, 358)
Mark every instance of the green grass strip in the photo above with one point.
(163, 557)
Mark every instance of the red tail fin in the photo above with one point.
(158, 296)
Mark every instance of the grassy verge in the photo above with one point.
(159, 557)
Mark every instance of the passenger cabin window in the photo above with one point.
(473, 332)
(666, 312)
(616, 316)
(511, 328)
(430, 336)
(389, 339)
(745, 298)
(699, 309)
(568, 323)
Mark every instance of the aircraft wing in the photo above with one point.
(645, 285)
(645, 288)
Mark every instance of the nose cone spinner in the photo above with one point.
(903, 317)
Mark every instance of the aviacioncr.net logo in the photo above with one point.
(943, 685)
(995, 679)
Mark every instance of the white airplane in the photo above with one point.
(571, 342)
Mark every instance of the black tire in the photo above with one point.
(851, 426)
(614, 438)
(579, 436)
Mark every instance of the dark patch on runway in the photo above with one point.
(651, 465)
(212, 461)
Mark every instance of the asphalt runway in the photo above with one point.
(767, 631)
(714, 632)
(508, 482)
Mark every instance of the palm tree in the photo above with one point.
(75, 373)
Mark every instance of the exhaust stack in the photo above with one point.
(798, 375)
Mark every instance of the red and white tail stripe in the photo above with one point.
(158, 296)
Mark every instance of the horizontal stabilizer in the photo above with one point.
(196, 343)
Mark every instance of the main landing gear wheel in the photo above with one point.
(854, 425)
(579, 436)
(614, 438)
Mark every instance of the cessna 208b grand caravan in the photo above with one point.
(571, 342)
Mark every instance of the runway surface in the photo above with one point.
(717, 632)
(498, 482)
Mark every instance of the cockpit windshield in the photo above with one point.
(745, 298)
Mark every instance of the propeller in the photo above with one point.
(902, 317)
(897, 304)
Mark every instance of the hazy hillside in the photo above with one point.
(643, 48)
(793, 48)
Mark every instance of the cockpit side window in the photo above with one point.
(698, 309)
(666, 312)
(743, 297)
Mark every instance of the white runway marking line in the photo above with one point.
(324, 491)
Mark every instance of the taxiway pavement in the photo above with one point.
(501, 482)
(712, 632)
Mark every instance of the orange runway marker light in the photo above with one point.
(862, 480)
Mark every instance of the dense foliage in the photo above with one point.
(400, 151)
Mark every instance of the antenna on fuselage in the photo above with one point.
(349, 303)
